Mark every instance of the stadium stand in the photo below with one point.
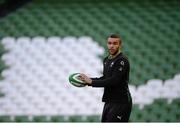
(37, 75)
(34, 42)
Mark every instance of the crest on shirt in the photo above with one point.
(111, 64)
(122, 63)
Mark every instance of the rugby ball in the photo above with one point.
(73, 79)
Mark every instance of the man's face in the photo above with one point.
(113, 45)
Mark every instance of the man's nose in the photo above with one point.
(111, 46)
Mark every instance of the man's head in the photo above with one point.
(114, 43)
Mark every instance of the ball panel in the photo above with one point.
(73, 79)
(77, 84)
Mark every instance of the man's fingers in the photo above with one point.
(82, 77)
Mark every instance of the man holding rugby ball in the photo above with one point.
(117, 97)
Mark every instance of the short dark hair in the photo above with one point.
(116, 36)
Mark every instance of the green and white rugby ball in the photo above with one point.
(73, 79)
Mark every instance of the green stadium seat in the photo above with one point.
(41, 118)
(3, 66)
(57, 118)
(170, 117)
(93, 118)
(23, 118)
(5, 118)
(76, 118)
(135, 113)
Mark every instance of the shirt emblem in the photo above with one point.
(119, 117)
(122, 62)
(112, 64)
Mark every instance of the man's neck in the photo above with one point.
(113, 56)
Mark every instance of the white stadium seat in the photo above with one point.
(177, 77)
(23, 41)
(8, 42)
(54, 41)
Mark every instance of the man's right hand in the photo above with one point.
(85, 78)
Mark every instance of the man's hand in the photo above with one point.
(85, 79)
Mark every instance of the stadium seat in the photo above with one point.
(76, 118)
(59, 118)
(5, 118)
(41, 118)
(177, 77)
(22, 119)
(8, 43)
(93, 118)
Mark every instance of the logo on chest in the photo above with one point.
(112, 63)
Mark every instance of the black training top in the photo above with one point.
(114, 80)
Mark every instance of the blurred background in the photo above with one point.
(42, 42)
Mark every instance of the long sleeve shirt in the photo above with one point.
(115, 79)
